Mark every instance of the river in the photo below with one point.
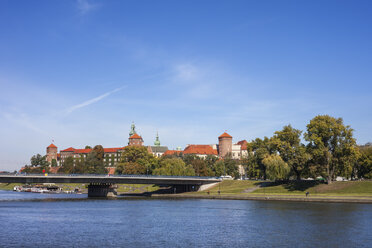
(42, 220)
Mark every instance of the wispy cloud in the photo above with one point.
(23, 120)
(93, 100)
(84, 6)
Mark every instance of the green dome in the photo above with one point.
(132, 129)
(157, 141)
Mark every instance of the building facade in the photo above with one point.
(112, 156)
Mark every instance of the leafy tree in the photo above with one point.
(288, 143)
(200, 167)
(133, 168)
(136, 160)
(38, 160)
(276, 168)
(54, 163)
(219, 168)
(250, 163)
(67, 166)
(189, 158)
(211, 160)
(258, 150)
(363, 168)
(331, 145)
(36, 170)
(174, 167)
(231, 167)
(94, 161)
(88, 147)
(80, 167)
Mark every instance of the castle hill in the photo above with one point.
(330, 167)
(166, 124)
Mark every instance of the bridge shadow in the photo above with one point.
(292, 185)
(165, 190)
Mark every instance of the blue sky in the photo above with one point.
(80, 72)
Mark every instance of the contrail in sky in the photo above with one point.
(93, 100)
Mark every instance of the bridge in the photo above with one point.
(101, 185)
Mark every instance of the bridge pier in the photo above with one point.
(101, 190)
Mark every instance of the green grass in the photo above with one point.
(362, 188)
(7, 186)
(136, 188)
(295, 188)
(231, 187)
(237, 187)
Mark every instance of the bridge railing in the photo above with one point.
(109, 175)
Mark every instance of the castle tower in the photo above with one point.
(51, 153)
(224, 144)
(135, 140)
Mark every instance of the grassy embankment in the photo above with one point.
(292, 189)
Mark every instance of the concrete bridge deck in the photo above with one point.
(109, 179)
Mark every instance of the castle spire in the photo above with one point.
(132, 129)
(157, 141)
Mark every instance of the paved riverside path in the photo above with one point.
(109, 179)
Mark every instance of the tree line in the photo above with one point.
(329, 151)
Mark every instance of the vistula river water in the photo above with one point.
(42, 220)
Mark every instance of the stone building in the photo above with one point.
(225, 147)
(111, 155)
(157, 150)
(52, 153)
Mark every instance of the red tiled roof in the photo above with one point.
(52, 146)
(200, 149)
(116, 149)
(243, 144)
(171, 152)
(70, 149)
(225, 135)
(135, 136)
(82, 150)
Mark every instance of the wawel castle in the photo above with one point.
(224, 147)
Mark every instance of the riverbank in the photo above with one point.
(335, 199)
(305, 191)
(82, 188)
(351, 191)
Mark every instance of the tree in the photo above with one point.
(331, 145)
(231, 167)
(38, 160)
(211, 160)
(258, 149)
(288, 143)
(133, 168)
(136, 160)
(276, 168)
(174, 167)
(94, 161)
(54, 163)
(219, 168)
(88, 147)
(67, 166)
(363, 168)
(200, 167)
